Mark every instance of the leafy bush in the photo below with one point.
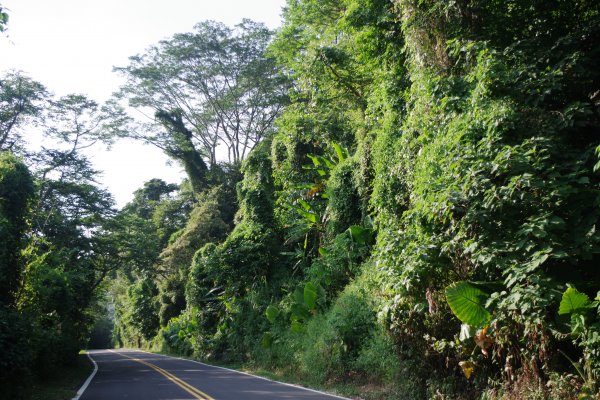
(333, 341)
(377, 358)
(180, 334)
(585, 330)
(344, 205)
(339, 261)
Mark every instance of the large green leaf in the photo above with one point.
(361, 235)
(304, 204)
(573, 301)
(341, 152)
(310, 217)
(310, 295)
(272, 312)
(467, 302)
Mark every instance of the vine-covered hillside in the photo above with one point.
(409, 209)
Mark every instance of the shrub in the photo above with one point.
(180, 334)
(378, 358)
(344, 203)
(333, 341)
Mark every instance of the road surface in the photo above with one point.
(136, 375)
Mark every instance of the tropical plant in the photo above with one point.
(585, 331)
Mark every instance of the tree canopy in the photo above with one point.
(213, 87)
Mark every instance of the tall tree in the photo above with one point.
(21, 103)
(214, 86)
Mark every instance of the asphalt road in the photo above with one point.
(136, 375)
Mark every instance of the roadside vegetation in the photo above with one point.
(408, 206)
(64, 382)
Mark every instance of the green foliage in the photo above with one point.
(377, 358)
(21, 102)
(574, 302)
(429, 146)
(585, 331)
(16, 331)
(204, 225)
(144, 316)
(310, 295)
(225, 279)
(54, 273)
(333, 340)
(16, 192)
(180, 333)
(344, 202)
(79, 121)
(271, 313)
(467, 302)
(171, 298)
(213, 86)
(340, 260)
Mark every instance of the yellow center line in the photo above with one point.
(179, 382)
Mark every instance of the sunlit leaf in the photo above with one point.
(467, 367)
(272, 312)
(297, 326)
(467, 302)
(304, 204)
(341, 153)
(466, 332)
(573, 301)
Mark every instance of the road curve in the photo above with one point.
(136, 375)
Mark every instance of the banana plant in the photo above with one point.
(310, 207)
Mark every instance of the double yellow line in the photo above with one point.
(198, 394)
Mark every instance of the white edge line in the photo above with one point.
(244, 373)
(89, 379)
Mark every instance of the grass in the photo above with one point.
(63, 385)
(357, 388)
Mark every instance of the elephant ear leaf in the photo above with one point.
(573, 301)
(310, 295)
(467, 302)
(272, 312)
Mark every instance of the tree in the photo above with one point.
(80, 122)
(143, 313)
(3, 19)
(21, 103)
(214, 86)
(16, 191)
(71, 217)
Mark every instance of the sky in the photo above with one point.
(71, 46)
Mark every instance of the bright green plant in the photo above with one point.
(310, 207)
(585, 330)
(180, 333)
(468, 302)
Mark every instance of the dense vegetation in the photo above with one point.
(409, 202)
(56, 249)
